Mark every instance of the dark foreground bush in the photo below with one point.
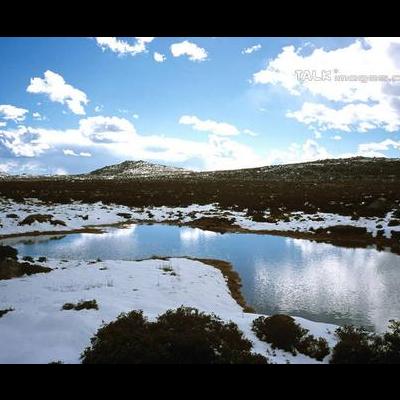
(354, 346)
(181, 336)
(284, 333)
(358, 346)
(313, 347)
(280, 330)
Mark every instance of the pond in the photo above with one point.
(317, 281)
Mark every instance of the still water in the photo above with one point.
(317, 281)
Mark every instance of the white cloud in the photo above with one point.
(336, 137)
(59, 91)
(361, 101)
(251, 49)
(250, 132)
(360, 117)
(122, 47)
(310, 150)
(12, 113)
(60, 171)
(38, 117)
(379, 146)
(23, 141)
(317, 135)
(159, 57)
(69, 152)
(118, 137)
(194, 52)
(217, 128)
(97, 109)
(136, 116)
(3, 124)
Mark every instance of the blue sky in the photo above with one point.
(69, 105)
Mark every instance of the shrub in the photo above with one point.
(8, 252)
(314, 348)
(284, 333)
(354, 346)
(387, 347)
(181, 336)
(280, 330)
(28, 258)
(396, 214)
(87, 305)
(5, 311)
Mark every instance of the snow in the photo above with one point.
(101, 214)
(39, 331)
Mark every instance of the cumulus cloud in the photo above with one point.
(349, 77)
(250, 132)
(192, 50)
(107, 129)
(217, 128)
(379, 146)
(159, 57)
(38, 117)
(310, 150)
(336, 137)
(23, 141)
(12, 113)
(69, 152)
(59, 91)
(118, 136)
(359, 117)
(122, 47)
(251, 49)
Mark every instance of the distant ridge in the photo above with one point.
(137, 168)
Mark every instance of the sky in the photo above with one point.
(71, 105)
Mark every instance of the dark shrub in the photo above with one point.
(314, 348)
(42, 259)
(12, 268)
(387, 347)
(258, 217)
(396, 214)
(58, 222)
(125, 215)
(28, 258)
(30, 219)
(5, 311)
(354, 346)
(181, 336)
(8, 252)
(14, 216)
(280, 330)
(82, 305)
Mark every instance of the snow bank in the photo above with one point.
(77, 216)
(39, 331)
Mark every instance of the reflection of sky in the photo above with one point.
(313, 280)
(322, 278)
(195, 234)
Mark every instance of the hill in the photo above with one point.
(140, 168)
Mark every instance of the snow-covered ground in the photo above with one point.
(80, 216)
(39, 331)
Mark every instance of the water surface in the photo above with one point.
(317, 281)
